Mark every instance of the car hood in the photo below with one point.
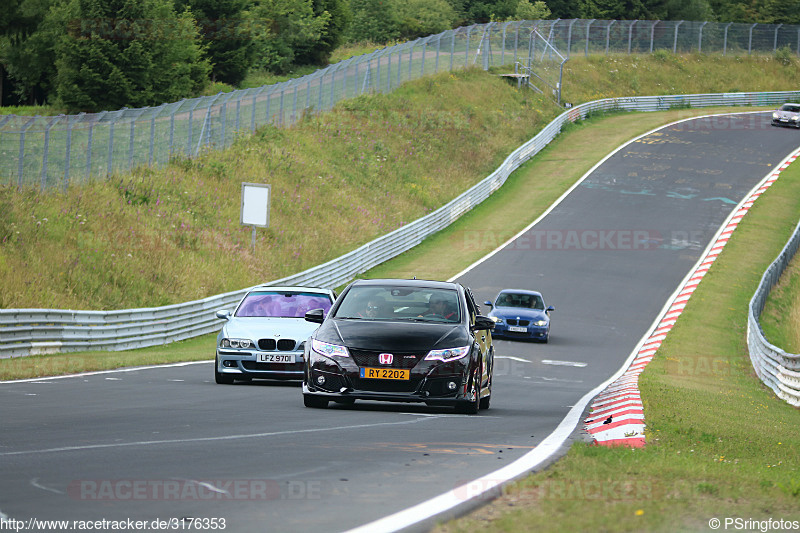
(259, 328)
(393, 336)
(787, 114)
(521, 312)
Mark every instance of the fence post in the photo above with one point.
(675, 42)
(750, 40)
(586, 51)
(630, 34)
(68, 151)
(608, 34)
(700, 38)
(50, 123)
(775, 44)
(725, 42)
(653, 35)
(569, 37)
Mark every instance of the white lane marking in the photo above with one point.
(113, 379)
(521, 360)
(563, 363)
(548, 447)
(35, 483)
(209, 439)
(206, 485)
(101, 372)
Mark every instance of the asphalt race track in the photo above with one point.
(168, 444)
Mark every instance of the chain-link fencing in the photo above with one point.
(54, 151)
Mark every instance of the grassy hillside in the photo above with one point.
(162, 236)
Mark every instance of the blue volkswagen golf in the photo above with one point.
(520, 314)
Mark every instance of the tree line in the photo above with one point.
(91, 55)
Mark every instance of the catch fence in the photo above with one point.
(54, 151)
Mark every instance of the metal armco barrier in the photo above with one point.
(33, 331)
(779, 370)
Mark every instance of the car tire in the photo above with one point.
(220, 378)
(471, 407)
(314, 402)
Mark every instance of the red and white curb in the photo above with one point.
(617, 414)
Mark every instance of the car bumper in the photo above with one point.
(438, 386)
(530, 333)
(786, 122)
(246, 365)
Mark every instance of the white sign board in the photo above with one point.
(255, 204)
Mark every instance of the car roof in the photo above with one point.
(519, 291)
(286, 288)
(422, 283)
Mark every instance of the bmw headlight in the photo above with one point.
(497, 320)
(327, 349)
(540, 323)
(237, 343)
(448, 354)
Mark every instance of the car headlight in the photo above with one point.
(775, 115)
(540, 323)
(497, 320)
(330, 350)
(237, 343)
(448, 354)
(796, 118)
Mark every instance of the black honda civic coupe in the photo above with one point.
(401, 340)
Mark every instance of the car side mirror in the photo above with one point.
(487, 302)
(550, 308)
(482, 323)
(223, 314)
(315, 315)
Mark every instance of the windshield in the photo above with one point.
(527, 301)
(400, 303)
(282, 304)
(794, 108)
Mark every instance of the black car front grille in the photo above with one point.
(282, 345)
(364, 358)
(515, 322)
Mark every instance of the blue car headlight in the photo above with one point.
(540, 323)
(497, 320)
